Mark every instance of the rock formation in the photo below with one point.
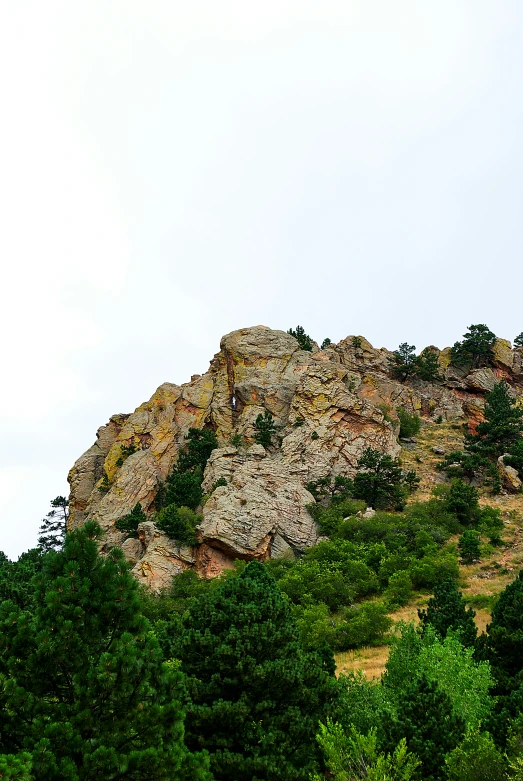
(329, 405)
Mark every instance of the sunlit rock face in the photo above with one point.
(328, 405)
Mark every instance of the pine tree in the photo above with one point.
(505, 633)
(53, 528)
(518, 341)
(403, 361)
(265, 429)
(381, 482)
(255, 695)
(304, 340)
(468, 546)
(476, 347)
(502, 427)
(129, 523)
(447, 610)
(84, 687)
(16, 578)
(427, 722)
(427, 366)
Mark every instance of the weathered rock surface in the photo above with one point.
(329, 405)
(509, 476)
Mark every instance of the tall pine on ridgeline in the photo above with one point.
(84, 689)
(255, 695)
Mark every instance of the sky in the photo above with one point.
(171, 171)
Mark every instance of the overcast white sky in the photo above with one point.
(171, 171)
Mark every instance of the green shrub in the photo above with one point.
(129, 523)
(381, 482)
(236, 440)
(326, 343)
(469, 546)
(409, 424)
(399, 590)
(476, 757)
(125, 452)
(183, 489)
(179, 523)
(462, 500)
(431, 570)
(219, 483)
(366, 625)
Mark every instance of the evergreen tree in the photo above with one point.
(84, 689)
(427, 366)
(403, 361)
(53, 528)
(255, 695)
(381, 482)
(468, 546)
(129, 522)
(462, 501)
(427, 722)
(195, 454)
(518, 341)
(16, 577)
(304, 340)
(447, 610)
(16, 767)
(265, 429)
(326, 343)
(505, 634)
(476, 347)
(502, 427)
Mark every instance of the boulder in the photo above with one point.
(509, 476)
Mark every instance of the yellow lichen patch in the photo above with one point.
(444, 357)
(502, 352)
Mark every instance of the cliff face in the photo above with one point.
(329, 406)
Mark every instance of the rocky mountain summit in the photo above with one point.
(329, 405)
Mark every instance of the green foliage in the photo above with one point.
(381, 482)
(469, 546)
(179, 523)
(265, 429)
(518, 341)
(403, 361)
(399, 589)
(515, 457)
(16, 767)
(357, 342)
(352, 756)
(51, 535)
(304, 340)
(315, 435)
(502, 428)
(184, 489)
(236, 440)
(16, 578)
(219, 483)
(105, 484)
(447, 611)
(426, 720)
(505, 633)
(326, 343)
(85, 671)
(129, 523)
(255, 696)
(367, 625)
(360, 703)
(427, 366)
(125, 452)
(336, 488)
(475, 758)
(462, 501)
(195, 454)
(409, 424)
(476, 347)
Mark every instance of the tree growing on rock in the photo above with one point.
(475, 348)
(265, 428)
(518, 341)
(403, 361)
(255, 695)
(303, 339)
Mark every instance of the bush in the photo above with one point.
(179, 523)
(399, 590)
(366, 625)
(183, 489)
(129, 523)
(431, 570)
(409, 424)
(476, 757)
(462, 500)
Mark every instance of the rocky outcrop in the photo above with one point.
(329, 405)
